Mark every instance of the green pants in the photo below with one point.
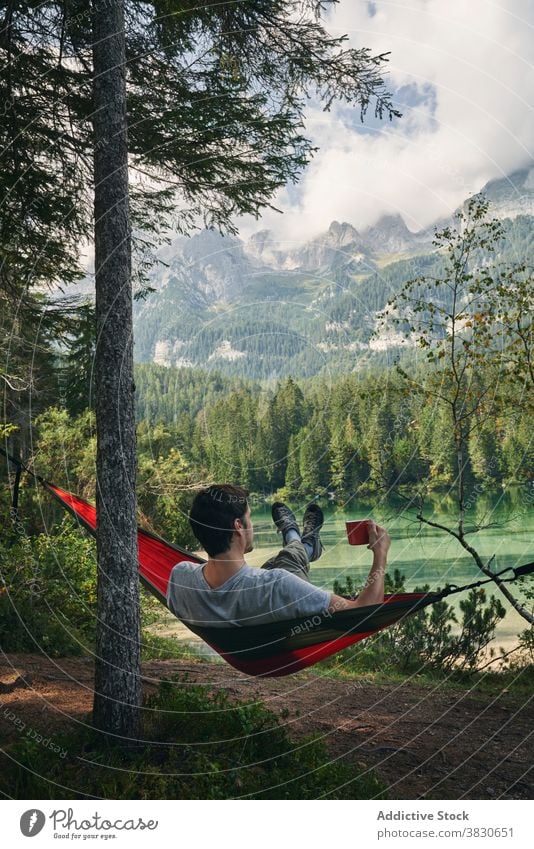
(293, 557)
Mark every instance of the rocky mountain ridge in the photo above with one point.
(265, 305)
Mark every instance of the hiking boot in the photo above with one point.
(311, 526)
(284, 519)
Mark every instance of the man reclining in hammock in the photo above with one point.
(226, 591)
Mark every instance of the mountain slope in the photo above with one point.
(263, 307)
(267, 307)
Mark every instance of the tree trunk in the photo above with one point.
(117, 672)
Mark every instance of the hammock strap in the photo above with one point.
(519, 572)
(15, 496)
(19, 468)
(527, 569)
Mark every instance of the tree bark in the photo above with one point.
(117, 664)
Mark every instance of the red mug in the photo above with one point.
(358, 532)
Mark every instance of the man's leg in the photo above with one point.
(297, 552)
(294, 558)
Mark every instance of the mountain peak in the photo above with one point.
(392, 218)
(390, 235)
(512, 195)
(342, 233)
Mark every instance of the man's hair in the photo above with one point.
(213, 513)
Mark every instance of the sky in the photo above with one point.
(462, 74)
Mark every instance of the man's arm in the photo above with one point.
(373, 592)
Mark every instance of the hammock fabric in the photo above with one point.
(279, 648)
(276, 649)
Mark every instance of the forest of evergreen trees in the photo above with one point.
(359, 432)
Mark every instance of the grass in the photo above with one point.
(155, 647)
(516, 682)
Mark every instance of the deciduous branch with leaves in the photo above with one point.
(473, 321)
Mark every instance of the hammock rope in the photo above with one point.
(278, 648)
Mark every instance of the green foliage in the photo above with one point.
(156, 647)
(526, 648)
(431, 640)
(32, 327)
(66, 455)
(393, 583)
(48, 593)
(313, 456)
(378, 437)
(359, 433)
(167, 394)
(165, 481)
(472, 317)
(67, 449)
(200, 745)
(76, 377)
(478, 627)
(475, 332)
(7, 429)
(48, 597)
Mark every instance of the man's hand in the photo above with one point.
(379, 540)
(373, 592)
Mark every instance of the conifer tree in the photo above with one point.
(202, 105)
(117, 661)
(293, 479)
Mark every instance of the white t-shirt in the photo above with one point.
(250, 597)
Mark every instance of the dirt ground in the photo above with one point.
(424, 742)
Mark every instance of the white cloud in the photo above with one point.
(477, 59)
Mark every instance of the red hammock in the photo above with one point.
(276, 649)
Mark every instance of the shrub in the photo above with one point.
(48, 598)
(426, 639)
(48, 593)
(198, 745)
